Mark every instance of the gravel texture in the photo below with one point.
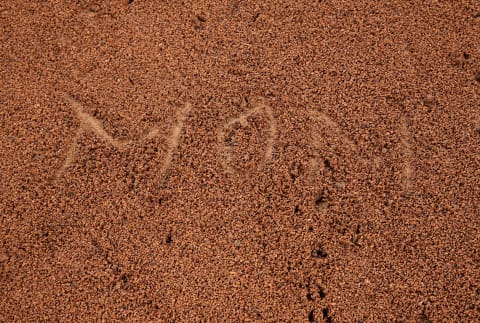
(226, 161)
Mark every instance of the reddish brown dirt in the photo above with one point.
(230, 161)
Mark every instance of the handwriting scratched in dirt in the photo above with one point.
(173, 141)
(320, 116)
(90, 123)
(405, 139)
(344, 143)
(260, 109)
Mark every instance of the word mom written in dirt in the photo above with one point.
(261, 110)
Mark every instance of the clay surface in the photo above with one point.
(226, 161)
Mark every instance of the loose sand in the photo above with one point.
(235, 161)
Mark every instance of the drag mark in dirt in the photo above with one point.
(70, 154)
(320, 116)
(260, 109)
(343, 142)
(477, 125)
(173, 141)
(90, 123)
